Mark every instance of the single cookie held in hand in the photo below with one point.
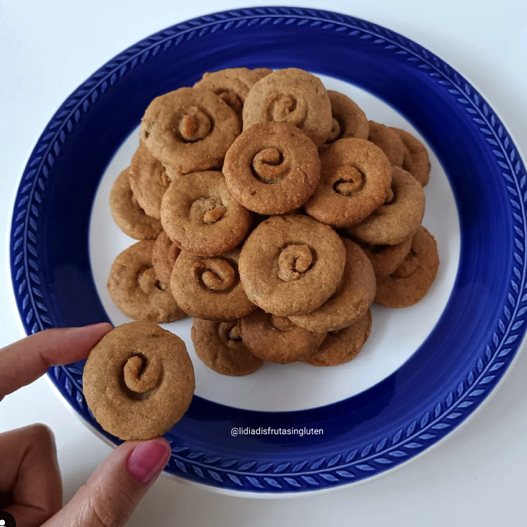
(135, 289)
(385, 259)
(200, 214)
(210, 288)
(232, 85)
(277, 339)
(127, 213)
(164, 257)
(189, 130)
(416, 160)
(389, 141)
(138, 381)
(348, 119)
(350, 301)
(356, 177)
(342, 345)
(293, 96)
(412, 279)
(290, 265)
(400, 216)
(220, 346)
(272, 168)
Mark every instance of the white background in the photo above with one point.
(475, 477)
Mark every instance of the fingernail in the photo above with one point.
(147, 459)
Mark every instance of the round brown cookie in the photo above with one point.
(400, 216)
(148, 181)
(199, 213)
(356, 177)
(138, 381)
(210, 288)
(219, 345)
(348, 119)
(272, 168)
(293, 96)
(290, 265)
(342, 345)
(385, 259)
(388, 141)
(351, 300)
(189, 130)
(416, 160)
(134, 287)
(127, 213)
(232, 85)
(412, 279)
(277, 339)
(164, 257)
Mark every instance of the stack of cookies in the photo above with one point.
(274, 213)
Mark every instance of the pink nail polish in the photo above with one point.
(146, 460)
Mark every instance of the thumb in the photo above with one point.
(116, 487)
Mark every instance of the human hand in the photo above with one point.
(30, 483)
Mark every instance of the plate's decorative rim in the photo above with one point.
(345, 467)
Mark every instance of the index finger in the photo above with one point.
(26, 360)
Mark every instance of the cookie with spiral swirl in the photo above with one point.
(292, 96)
(148, 181)
(272, 168)
(290, 265)
(389, 141)
(138, 381)
(385, 259)
(350, 301)
(189, 130)
(348, 119)
(210, 287)
(277, 339)
(416, 160)
(164, 257)
(356, 177)
(220, 347)
(232, 85)
(200, 214)
(342, 345)
(400, 216)
(135, 289)
(411, 281)
(127, 213)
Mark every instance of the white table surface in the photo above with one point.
(477, 475)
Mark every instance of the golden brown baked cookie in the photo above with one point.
(164, 257)
(389, 141)
(135, 289)
(210, 288)
(200, 214)
(412, 279)
(400, 216)
(277, 339)
(385, 259)
(348, 119)
(127, 213)
(220, 346)
(189, 130)
(148, 181)
(138, 381)
(293, 96)
(232, 85)
(350, 301)
(416, 160)
(290, 265)
(356, 177)
(342, 345)
(272, 168)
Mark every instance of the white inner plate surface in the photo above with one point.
(396, 333)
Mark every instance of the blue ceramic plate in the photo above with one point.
(424, 370)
